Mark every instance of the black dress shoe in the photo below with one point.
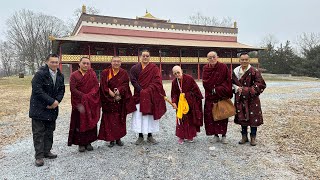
(82, 148)
(119, 143)
(49, 155)
(111, 144)
(39, 162)
(89, 147)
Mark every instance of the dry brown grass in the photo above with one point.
(14, 112)
(294, 125)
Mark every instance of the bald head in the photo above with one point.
(212, 57)
(177, 72)
(212, 53)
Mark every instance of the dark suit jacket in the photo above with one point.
(44, 93)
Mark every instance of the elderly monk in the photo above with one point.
(248, 85)
(85, 101)
(217, 84)
(148, 96)
(117, 102)
(189, 124)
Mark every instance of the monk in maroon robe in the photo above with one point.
(248, 85)
(117, 102)
(217, 84)
(189, 125)
(85, 100)
(148, 96)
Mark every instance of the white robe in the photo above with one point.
(143, 123)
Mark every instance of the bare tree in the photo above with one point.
(29, 33)
(7, 57)
(76, 15)
(308, 41)
(200, 19)
(269, 39)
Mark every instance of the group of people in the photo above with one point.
(147, 103)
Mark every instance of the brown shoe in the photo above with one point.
(39, 162)
(82, 148)
(111, 144)
(49, 155)
(152, 141)
(224, 140)
(119, 142)
(139, 141)
(253, 140)
(89, 147)
(244, 139)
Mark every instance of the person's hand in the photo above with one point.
(240, 90)
(54, 105)
(111, 93)
(174, 105)
(117, 98)
(116, 92)
(80, 108)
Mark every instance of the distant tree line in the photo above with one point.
(283, 59)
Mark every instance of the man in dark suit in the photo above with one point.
(47, 92)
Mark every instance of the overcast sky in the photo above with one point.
(285, 19)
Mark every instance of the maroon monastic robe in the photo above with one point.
(85, 101)
(148, 90)
(217, 77)
(113, 121)
(248, 103)
(191, 122)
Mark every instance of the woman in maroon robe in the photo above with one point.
(217, 84)
(117, 102)
(85, 100)
(190, 124)
(248, 84)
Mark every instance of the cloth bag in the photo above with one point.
(183, 106)
(223, 109)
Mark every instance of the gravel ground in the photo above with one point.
(166, 160)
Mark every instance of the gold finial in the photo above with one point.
(52, 38)
(84, 9)
(235, 24)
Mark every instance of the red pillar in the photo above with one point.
(198, 65)
(138, 55)
(180, 58)
(89, 51)
(114, 51)
(160, 63)
(60, 57)
(231, 65)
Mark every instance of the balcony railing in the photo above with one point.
(134, 59)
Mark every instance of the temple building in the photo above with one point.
(101, 37)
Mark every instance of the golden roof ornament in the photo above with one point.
(52, 38)
(235, 24)
(149, 16)
(84, 9)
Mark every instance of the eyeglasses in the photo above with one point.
(176, 73)
(244, 59)
(84, 63)
(145, 56)
(212, 57)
